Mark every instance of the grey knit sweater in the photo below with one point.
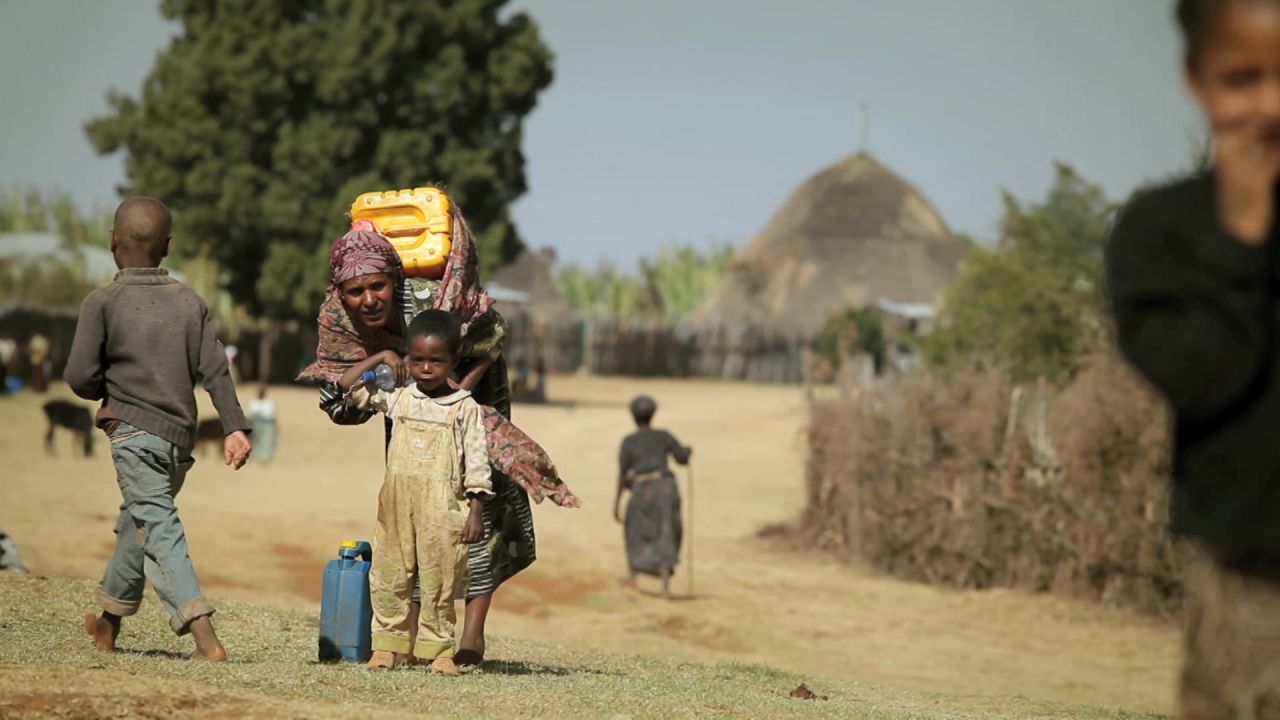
(142, 343)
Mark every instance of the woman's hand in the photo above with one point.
(393, 360)
(390, 358)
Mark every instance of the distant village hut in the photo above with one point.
(853, 235)
(544, 329)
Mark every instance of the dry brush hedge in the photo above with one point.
(976, 482)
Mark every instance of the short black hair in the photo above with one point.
(642, 409)
(142, 225)
(438, 323)
(1196, 19)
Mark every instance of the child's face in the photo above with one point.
(369, 299)
(1236, 76)
(430, 362)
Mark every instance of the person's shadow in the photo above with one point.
(520, 667)
(170, 654)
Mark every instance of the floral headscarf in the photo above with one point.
(341, 344)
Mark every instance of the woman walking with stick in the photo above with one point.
(653, 525)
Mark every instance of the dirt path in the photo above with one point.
(264, 533)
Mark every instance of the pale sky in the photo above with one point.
(677, 121)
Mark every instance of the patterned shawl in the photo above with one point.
(460, 292)
(341, 344)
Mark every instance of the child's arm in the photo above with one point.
(477, 479)
(1191, 313)
(216, 378)
(84, 371)
(1197, 321)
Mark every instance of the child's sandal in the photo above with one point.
(444, 666)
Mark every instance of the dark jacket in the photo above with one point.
(1198, 313)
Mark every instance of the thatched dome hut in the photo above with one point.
(530, 274)
(852, 235)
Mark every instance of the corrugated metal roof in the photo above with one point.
(24, 244)
(505, 294)
(911, 311)
(97, 261)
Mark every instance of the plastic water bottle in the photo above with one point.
(345, 608)
(382, 376)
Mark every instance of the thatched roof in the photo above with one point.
(531, 275)
(853, 234)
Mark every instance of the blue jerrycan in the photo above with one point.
(345, 611)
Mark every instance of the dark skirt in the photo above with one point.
(654, 527)
(509, 545)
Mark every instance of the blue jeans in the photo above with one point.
(150, 542)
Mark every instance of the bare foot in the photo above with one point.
(217, 654)
(381, 660)
(408, 660)
(104, 629)
(208, 647)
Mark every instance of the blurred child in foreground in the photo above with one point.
(1194, 277)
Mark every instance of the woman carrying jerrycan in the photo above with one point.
(374, 297)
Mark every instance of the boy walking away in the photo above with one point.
(141, 345)
(438, 460)
(654, 528)
(1194, 276)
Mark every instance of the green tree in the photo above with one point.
(262, 121)
(44, 282)
(669, 286)
(59, 279)
(1034, 303)
(679, 278)
(36, 210)
(850, 331)
(605, 292)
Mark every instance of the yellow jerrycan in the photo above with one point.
(417, 223)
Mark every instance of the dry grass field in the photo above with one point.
(568, 638)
